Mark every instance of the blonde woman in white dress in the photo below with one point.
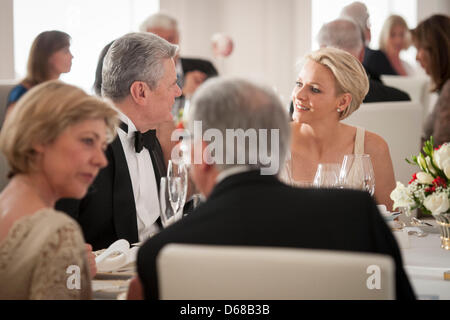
(54, 141)
(330, 86)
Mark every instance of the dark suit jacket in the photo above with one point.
(378, 92)
(253, 210)
(377, 60)
(108, 212)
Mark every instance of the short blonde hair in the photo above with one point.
(348, 72)
(389, 24)
(42, 114)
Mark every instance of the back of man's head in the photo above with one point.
(357, 11)
(134, 57)
(247, 113)
(159, 20)
(343, 34)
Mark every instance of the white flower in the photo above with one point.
(429, 165)
(422, 163)
(442, 155)
(401, 196)
(437, 203)
(424, 178)
(446, 167)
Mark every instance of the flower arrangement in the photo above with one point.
(428, 189)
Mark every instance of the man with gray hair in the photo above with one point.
(357, 11)
(139, 77)
(246, 206)
(345, 34)
(191, 72)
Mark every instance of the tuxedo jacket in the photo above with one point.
(253, 210)
(107, 212)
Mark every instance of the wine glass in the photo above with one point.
(327, 175)
(167, 213)
(177, 177)
(357, 173)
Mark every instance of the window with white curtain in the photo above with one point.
(91, 24)
(325, 11)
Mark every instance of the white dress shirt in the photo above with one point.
(143, 181)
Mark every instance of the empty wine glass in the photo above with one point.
(177, 177)
(167, 213)
(327, 175)
(357, 173)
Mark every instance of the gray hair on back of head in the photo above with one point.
(358, 12)
(343, 34)
(232, 103)
(134, 57)
(159, 20)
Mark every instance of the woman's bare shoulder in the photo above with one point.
(374, 143)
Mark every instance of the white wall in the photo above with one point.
(6, 40)
(426, 8)
(269, 36)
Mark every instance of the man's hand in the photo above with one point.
(90, 258)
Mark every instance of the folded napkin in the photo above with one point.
(118, 255)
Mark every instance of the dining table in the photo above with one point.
(427, 264)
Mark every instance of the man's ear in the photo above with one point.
(139, 92)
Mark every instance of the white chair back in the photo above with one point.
(400, 124)
(418, 88)
(209, 272)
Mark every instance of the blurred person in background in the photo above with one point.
(394, 38)
(431, 37)
(54, 141)
(49, 57)
(344, 34)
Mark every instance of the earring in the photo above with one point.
(339, 110)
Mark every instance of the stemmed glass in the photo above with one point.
(177, 176)
(327, 175)
(167, 213)
(357, 173)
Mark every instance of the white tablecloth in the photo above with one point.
(425, 263)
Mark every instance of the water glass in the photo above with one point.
(177, 177)
(357, 173)
(327, 175)
(167, 213)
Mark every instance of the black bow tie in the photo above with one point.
(142, 140)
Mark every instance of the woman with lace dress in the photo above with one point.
(331, 86)
(54, 140)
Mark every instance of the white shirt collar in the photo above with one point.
(230, 172)
(128, 122)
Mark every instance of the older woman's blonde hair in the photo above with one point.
(348, 72)
(42, 114)
(391, 22)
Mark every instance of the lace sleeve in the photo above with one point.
(52, 278)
